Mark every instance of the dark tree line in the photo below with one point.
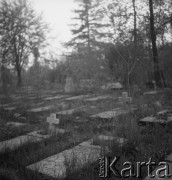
(140, 27)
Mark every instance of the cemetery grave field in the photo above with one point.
(75, 121)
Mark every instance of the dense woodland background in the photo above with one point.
(129, 41)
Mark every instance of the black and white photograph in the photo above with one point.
(85, 89)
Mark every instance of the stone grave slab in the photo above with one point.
(55, 97)
(18, 141)
(152, 119)
(107, 138)
(85, 152)
(37, 134)
(40, 109)
(162, 117)
(15, 124)
(66, 112)
(69, 111)
(89, 143)
(55, 165)
(10, 108)
(110, 114)
(7, 105)
(98, 98)
(32, 98)
(152, 92)
(16, 97)
(112, 86)
(169, 158)
(162, 112)
(77, 97)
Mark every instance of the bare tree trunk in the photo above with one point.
(88, 29)
(18, 69)
(3, 79)
(19, 82)
(135, 23)
(157, 74)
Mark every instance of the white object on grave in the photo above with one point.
(53, 121)
(69, 86)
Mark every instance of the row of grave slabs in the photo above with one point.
(36, 136)
(25, 138)
(85, 150)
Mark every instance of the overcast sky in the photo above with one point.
(58, 14)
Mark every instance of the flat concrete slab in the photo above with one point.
(32, 98)
(41, 109)
(106, 138)
(57, 165)
(77, 97)
(152, 119)
(7, 105)
(55, 97)
(98, 98)
(163, 112)
(18, 141)
(10, 108)
(70, 111)
(163, 117)
(15, 124)
(152, 92)
(110, 114)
